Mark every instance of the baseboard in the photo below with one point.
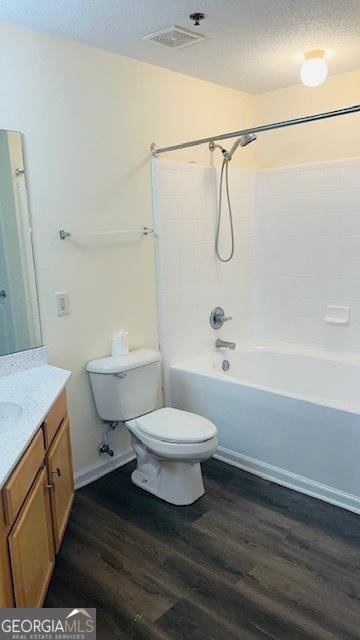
(101, 468)
(290, 480)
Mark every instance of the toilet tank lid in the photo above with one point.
(117, 364)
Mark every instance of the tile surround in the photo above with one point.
(306, 253)
(191, 281)
(297, 232)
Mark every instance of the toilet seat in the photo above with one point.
(175, 426)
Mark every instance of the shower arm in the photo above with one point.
(156, 151)
(225, 153)
(213, 146)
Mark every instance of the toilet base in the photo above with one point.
(178, 483)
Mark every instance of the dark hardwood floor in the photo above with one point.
(250, 560)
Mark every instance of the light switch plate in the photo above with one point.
(62, 303)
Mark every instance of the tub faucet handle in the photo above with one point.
(218, 317)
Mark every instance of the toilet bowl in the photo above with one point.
(169, 444)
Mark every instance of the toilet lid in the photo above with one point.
(173, 425)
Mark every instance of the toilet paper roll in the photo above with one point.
(120, 343)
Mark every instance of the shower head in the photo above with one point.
(243, 141)
(246, 139)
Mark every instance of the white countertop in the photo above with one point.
(36, 390)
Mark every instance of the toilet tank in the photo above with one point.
(125, 387)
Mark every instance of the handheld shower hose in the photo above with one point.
(227, 155)
(224, 169)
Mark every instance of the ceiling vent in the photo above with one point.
(174, 37)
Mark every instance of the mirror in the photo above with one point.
(19, 309)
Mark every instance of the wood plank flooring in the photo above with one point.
(250, 560)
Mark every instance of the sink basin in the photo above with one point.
(10, 412)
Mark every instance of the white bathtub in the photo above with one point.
(289, 415)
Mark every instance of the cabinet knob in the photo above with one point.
(50, 486)
(57, 472)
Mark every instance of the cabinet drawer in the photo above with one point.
(21, 479)
(54, 419)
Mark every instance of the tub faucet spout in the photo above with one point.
(223, 344)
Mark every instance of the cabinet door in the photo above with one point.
(31, 546)
(60, 472)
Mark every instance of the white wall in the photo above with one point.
(88, 119)
(191, 281)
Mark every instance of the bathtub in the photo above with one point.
(286, 414)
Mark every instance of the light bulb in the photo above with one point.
(314, 69)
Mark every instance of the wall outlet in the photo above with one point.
(62, 303)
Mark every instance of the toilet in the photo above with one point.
(169, 444)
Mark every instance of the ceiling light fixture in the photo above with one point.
(314, 69)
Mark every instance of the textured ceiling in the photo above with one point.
(253, 45)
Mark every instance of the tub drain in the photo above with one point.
(225, 365)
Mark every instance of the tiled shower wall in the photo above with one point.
(307, 254)
(191, 282)
(297, 234)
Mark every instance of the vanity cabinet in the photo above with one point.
(35, 507)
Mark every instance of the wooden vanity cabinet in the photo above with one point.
(35, 507)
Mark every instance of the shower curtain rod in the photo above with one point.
(156, 151)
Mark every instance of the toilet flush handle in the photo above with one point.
(121, 374)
